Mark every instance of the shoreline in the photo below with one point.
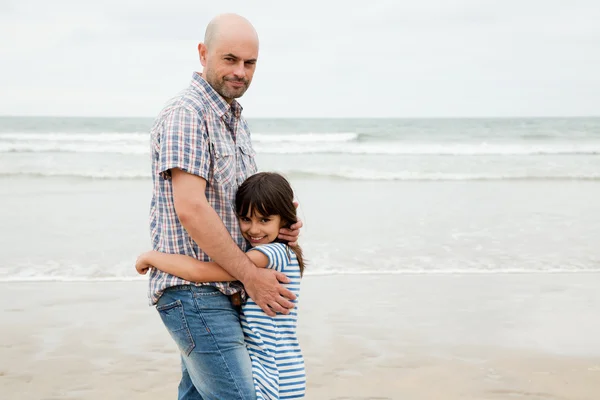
(417, 337)
(136, 279)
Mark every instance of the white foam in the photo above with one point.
(378, 175)
(294, 143)
(145, 137)
(76, 137)
(322, 273)
(304, 137)
(452, 272)
(67, 147)
(347, 174)
(432, 149)
(71, 279)
(291, 148)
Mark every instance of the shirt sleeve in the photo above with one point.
(184, 144)
(277, 253)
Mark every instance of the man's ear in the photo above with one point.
(202, 50)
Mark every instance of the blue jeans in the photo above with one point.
(215, 364)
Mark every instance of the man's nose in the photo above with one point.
(240, 70)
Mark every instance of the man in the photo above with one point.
(201, 152)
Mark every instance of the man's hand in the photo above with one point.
(291, 234)
(264, 288)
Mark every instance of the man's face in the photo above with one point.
(229, 65)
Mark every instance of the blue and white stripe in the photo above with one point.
(277, 362)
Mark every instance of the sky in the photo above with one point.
(402, 59)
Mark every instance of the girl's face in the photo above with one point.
(259, 229)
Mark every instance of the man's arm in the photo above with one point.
(206, 228)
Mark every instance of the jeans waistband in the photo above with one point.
(193, 288)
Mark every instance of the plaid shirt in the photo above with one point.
(199, 133)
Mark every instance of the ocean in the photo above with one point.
(377, 196)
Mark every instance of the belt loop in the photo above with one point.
(236, 300)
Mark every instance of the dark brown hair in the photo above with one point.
(269, 193)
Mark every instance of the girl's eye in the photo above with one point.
(265, 220)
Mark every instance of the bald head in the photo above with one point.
(229, 26)
(229, 54)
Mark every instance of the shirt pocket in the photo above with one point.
(248, 162)
(224, 163)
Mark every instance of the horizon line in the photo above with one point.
(333, 117)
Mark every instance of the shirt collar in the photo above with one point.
(218, 103)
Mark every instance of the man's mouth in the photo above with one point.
(236, 83)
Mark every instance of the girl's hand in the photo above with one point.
(141, 266)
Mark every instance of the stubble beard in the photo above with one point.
(220, 86)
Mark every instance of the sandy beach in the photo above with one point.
(530, 336)
(447, 180)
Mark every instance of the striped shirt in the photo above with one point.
(199, 133)
(277, 362)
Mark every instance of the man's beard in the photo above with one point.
(220, 86)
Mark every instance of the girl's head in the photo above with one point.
(264, 203)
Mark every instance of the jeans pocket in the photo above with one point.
(173, 317)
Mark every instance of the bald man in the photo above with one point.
(201, 152)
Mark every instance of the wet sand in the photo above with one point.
(530, 336)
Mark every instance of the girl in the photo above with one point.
(264, 204)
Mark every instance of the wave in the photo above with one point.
(123, 149)
(454, 271)
(389, 149)
(71, 279)
(299, 143)
(324, 273)
(75, 137)
(350, 175)
(439, 176)
(305, 137)
(138, 143)
(331, 137)
(116, 175)
(434, 149)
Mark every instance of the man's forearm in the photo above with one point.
(204, 225)
(207, 230)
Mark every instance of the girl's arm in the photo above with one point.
(189, 268)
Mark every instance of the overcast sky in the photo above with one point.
(419, 58)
